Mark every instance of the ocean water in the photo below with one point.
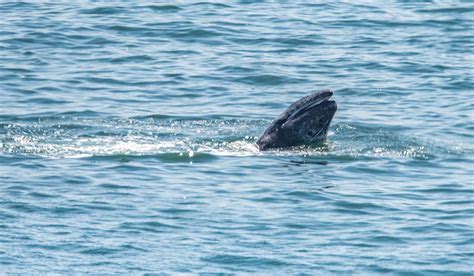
(127, 134)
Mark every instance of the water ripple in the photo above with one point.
(127, 138)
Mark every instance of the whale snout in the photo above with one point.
(329, 106)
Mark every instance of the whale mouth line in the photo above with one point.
(326, 125)
(310, 105)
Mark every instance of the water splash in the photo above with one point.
(77, 138)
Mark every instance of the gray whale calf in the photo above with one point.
(304, 122)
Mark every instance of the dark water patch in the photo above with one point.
(274, 199)
(196, 34)
(45, 101)
(98, 42)
(361, 205)
(301, 42)
(129, 247)
(100, 251)
(247, 261)
(353, 212)
(97, 206)
(127, 167)
(106, 81)
(164, 8)
(294, 43)
(65, 211)
(177, 211)
(18, 42)
(6, 216)
(117, 187)
(268, 80)
(106, 10)
(21, 5)
(131, 59)
(444, 22)
(372, 23)
(451, 227)
(132, 30)
(443, 190)
(42, 38)
(150, 226)
(230, 23)
(17, 70)
(18, 188)
(448, 10)
(24, 208)
(174, 75)
(51, 225)
(379, 269)
(466, 202)
(211, 4)
(295, 226)
(386, 239)
(236, 69)
(42, 195)
(181, 52)
(49, 89)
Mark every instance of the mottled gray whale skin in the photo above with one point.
(304, 122)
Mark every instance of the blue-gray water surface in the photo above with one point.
(127, 133)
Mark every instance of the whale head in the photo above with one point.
(304, 122)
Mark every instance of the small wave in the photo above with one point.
(264, 80)
(163, 8)
(454, 10)
(211, 4)
(108, 10)
(132, 58)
